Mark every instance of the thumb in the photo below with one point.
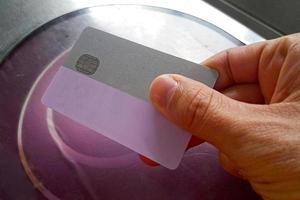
(199, 109)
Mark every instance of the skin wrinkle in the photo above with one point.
(231, 122)
(265, 55)
(172, 93)
(283, 93)
(277, 151)
(259, 61)
(225, 118)
(294, 97)
(283, 61)
(177, 90)
(284, 109)
(228, 68)
(250, 138)
(184, 97)
(291, 84)
(278, 161)
(197, 112)
(283, 52)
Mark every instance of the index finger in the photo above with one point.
(237, 65)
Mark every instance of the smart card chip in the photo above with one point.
(87, 64)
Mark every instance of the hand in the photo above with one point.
(252, 117)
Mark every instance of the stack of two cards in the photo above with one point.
(103, 85)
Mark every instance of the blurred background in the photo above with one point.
(269, 18)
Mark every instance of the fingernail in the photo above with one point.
(162, 89)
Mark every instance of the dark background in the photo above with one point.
(269, 18)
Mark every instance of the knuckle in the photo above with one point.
(290, 44)
(199, 110)
(176, 98)
(295, 48)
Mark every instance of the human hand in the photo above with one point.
(252, 117)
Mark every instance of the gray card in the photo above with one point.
(128, 66)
